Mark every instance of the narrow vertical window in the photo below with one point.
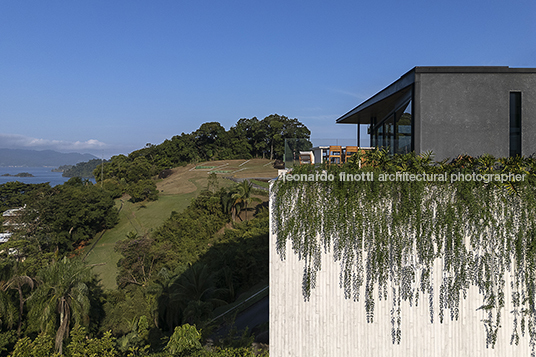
(515, 123)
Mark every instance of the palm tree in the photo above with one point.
(165, 313)
(17, 282)
(243, 195)
(8, 311)
(63, 295)
(227, 204)
(194, 292)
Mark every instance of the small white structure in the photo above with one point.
(13, 212)
(4, 237)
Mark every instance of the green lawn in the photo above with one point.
(260, 183)
(138, 217)
(144, 217)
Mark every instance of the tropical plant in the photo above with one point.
(17, 283)
(41, 346)
(82, 346)
(195, 293)
(8, 310)
(242, 197)
(166, 313)
(185, 341)
(62, 297)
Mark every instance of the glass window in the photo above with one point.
(515, 124)
(395, 131)
(403, 131)
(390, 133)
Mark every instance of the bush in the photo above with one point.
(184, 341)
(143, 190)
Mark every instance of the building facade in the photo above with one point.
(452, 111)
(442, 310)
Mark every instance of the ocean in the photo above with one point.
(41, 175)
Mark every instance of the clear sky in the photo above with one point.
(107, 77)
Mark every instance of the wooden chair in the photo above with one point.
(350, 150)
(306, 157)
(335, 154)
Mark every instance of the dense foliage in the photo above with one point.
(185, 256)
(170, 280)
(15, 194)
(52, 221)
(176, 275)
(59, 218)
(247, 139)
(82, 169)
(389, 233)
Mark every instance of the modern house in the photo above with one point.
(453, 111)
(434, 311)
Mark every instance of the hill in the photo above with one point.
(40, 158)
(175, 193)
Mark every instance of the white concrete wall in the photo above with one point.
(330, 325)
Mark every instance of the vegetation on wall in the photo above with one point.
(390, 235)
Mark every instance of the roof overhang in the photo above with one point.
(383, 103)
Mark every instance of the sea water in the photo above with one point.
(41, 175)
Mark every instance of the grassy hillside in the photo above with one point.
(175, 194)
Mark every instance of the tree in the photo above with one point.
(210, 140)
(63, 296)
(143, 190)
(138, 259)
(242, 196)
(195, 293)
(82, 346)
(67, 214)
(41, 346)
(8, 311)
(212, 185)
(184, 341)
(165, 313)
(17, 283)
(278, 128)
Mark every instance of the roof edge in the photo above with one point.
(473, 69)
(404, 81)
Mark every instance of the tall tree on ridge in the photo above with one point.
(278, 128)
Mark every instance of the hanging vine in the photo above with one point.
(390, 233)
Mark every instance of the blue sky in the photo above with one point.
(107, 77)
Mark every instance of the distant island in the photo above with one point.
(82, 169)
(62, 168)
(20, 174)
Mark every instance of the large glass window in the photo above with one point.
(515, 124)
(394, 132)
(403, 130)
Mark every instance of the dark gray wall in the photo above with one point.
(468, 113)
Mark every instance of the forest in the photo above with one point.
(170, 280)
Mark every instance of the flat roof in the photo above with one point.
(472, 69)
(391, 97)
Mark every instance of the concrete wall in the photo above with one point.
(330, 325)
(469, 113)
